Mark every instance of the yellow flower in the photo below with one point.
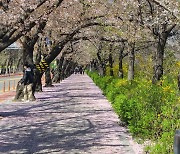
(150, 81)
(161, 81)
(179, 99)
(166, 89)
(122, 82)
(178, 63)
(172, 91)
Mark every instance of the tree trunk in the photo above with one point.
(159, 54)
(37, 87)
(179, 81)
(102, 70)
(159, 58)
(27, 51)
(111, 60)
(19, 92)
(28, 48)
(7, 68)
(72, 68)
(131, 56)
(38, 75)
(64, 65)
(101, 64)
(94, 66)
(111, 64)
(20, 89)
(68, 69)
(27, 58)
(121, 73)
(48, 80)
(58, 70)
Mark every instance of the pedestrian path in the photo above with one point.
(7, 96)
(72, 117)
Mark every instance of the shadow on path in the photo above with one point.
(70, 118)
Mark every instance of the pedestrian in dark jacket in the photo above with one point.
(27, 80)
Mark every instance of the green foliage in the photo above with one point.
(115, 70)
(151, 111)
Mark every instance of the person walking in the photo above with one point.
(27, 80)
(81, 70)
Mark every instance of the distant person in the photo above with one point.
(81, 70)
(27, 80)
(76, 70)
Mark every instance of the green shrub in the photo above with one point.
(151, 111)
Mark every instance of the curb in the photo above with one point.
(9, 75)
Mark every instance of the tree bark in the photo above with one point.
(58, 70)
(19, 92)
(159, 58)
(65, 64)
(7, 64)
(28, 48)
(121, 73)
(131, 56)
(93, 66)
(56, 50)
(111, 61)
(37, 74)
(111, 64)
(13, 35)
(48, 80)
(28, 51)
(68, 68)
(102, 70)
(178, 81)
(37, 87)
(102, 65)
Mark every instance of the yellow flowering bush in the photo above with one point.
(150, 111)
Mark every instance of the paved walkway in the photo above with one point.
(7, 95)
(73, 117)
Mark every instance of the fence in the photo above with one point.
(8, 85)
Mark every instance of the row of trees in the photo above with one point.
(10, 61)
(141, 25)
(49, 28)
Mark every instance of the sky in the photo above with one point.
(14, 46)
